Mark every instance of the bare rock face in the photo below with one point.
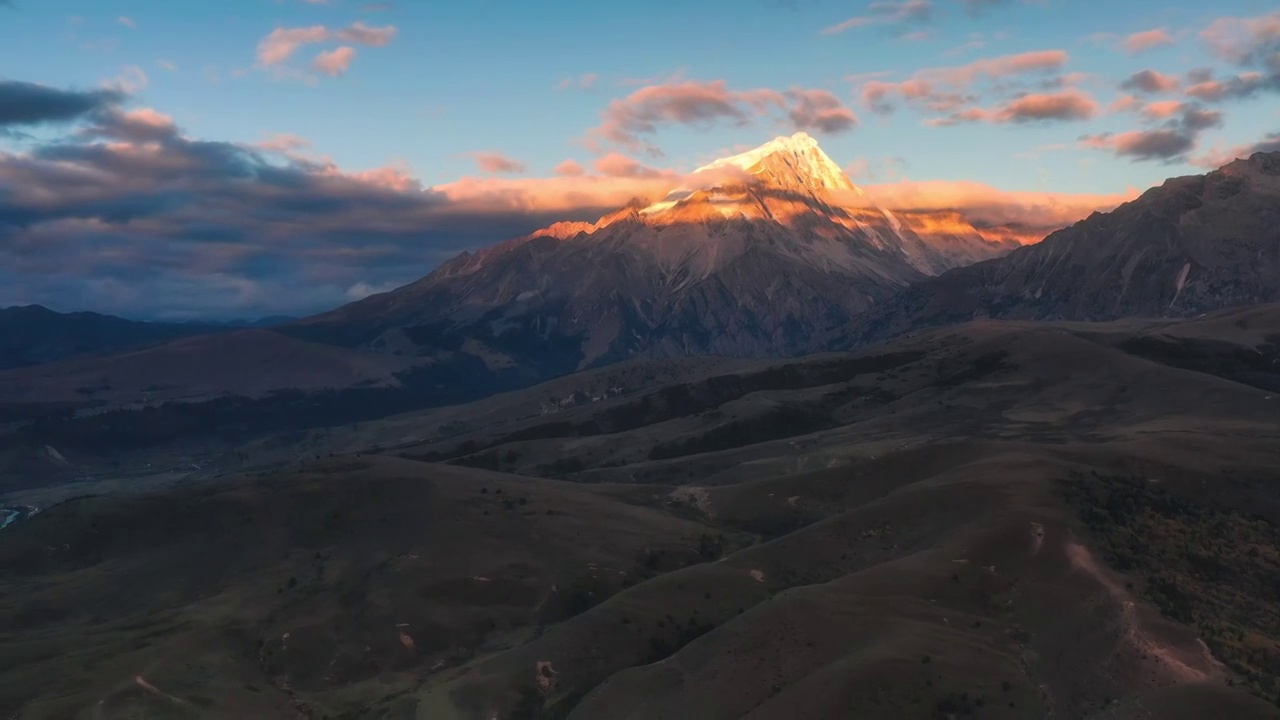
(758, 254)
(1192, 245)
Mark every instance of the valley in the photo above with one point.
(896, 532)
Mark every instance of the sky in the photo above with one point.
(165, 160)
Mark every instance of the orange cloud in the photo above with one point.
(1146, 40)
(1023, 216)
(986, 206)
(620, 166)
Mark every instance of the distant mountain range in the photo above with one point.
(769, 253)
(35, 335)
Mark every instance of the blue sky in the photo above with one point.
(503, 92)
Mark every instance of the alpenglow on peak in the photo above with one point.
(784, 160)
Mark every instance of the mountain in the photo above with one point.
(756, 255)
(34, 335)
(1190, 246)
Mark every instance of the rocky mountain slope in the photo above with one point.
(1192, 245)
(758, 255)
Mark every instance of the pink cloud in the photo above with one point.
(570, 168)
(885, 12)
(335, 62)
(1146, 40)
(689, 102)
(492, 162)
(942, 89)
(1069, 104)
(1162, 109)
(282, 43)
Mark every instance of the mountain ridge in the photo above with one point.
(1191, 245)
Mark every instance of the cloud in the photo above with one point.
(23, 103)
(1159, 144)
(131, 80)
(127, 21)
(1151, 81)
(1140, 42)
(1251, 44)
(1027, 215)
(1172, 140)
(820, 110)
(1162, 109)
(886, 12)
(943, 89)
(1061, 106)
(626, 122)
(492, 162)
(334, 62)
(283, 143)
(126, 214)
(1246, 41)
(1236, 87)
(1218, 157)
(282, 43)
(169, 65)
(616, 165)
(585, 81)
(570, 168)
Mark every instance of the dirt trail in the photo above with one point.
(1185, 665)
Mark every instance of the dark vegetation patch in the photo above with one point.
(687, 399)
(1217, 571)
(1259, 367)
(979, 368)
(775, 424)
(233, 417)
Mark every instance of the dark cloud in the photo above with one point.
(1197, 119)
(1150, 81)
(23, 103)
(125, 214)
(821, 111)
(1159, 144)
